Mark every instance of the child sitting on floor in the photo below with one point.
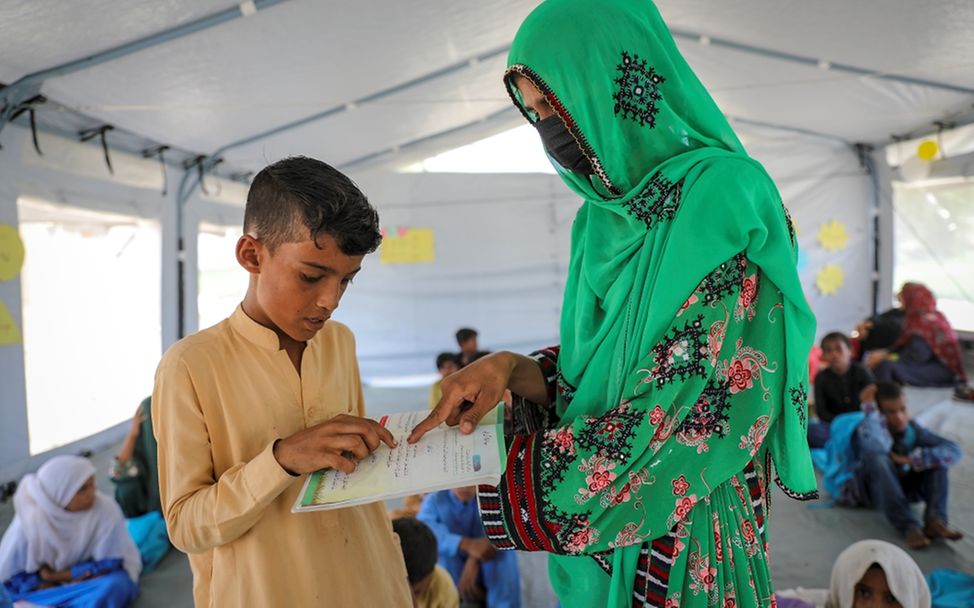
(431, 585)
(68, 544)
(899, 462)
(483, 575)
(867, 573)
(839, 388)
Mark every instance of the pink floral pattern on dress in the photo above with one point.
(693, 299)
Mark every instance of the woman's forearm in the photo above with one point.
(526, 378)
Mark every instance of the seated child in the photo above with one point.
(134, 470)
(481, 573)
(446, 364)
(136, 477)
(68, 544)
(898, 462)
(928, 352)
(867, 573)
(431, 585)
(839, 388)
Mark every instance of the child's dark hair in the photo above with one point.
(834, 336)
(444, 358)
(887, 391)
(418, 547)
(300, 193)
(464, 334)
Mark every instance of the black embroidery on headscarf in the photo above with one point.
(790, 222)
(657, 202)
(638, 90)
(799, 400)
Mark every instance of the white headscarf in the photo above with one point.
(904, 577)
(43, 532)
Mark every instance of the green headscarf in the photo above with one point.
(673, 196)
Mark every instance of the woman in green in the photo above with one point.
(645, 444)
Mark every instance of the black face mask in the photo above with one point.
(562, 146)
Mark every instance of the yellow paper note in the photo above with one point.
(833, 235)
(11, 252)
(407, 246)
(830, 279)
(9, 332)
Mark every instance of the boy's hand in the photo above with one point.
(137, 421)
(469, 394)
(467, 585)
(478, 548)
(900, 459)
(868, 394)
(338, 443)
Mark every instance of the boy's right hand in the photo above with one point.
(478, 548)
(338, 444)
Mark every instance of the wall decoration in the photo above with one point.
(833, 235)
(829, 279)
(407, 246)
(9, 332)
(11, 252)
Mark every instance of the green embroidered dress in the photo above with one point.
(679, 389)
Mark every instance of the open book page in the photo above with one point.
(444, 458)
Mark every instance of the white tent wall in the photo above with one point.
(73, 175)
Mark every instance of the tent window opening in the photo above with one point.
(933, 235)
(518, 150)
(222, 282)
(91, 308)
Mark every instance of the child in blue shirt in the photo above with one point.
(481, 572)
(900, 462)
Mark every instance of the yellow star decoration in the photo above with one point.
(833, 236)
(829, 279)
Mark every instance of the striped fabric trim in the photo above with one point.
(756, 493)
(511, 512)
(653, 572)
(490, 514)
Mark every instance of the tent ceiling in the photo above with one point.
(298, 58)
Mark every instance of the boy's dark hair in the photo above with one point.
(444, 358)
(464, 334)
(418, 547)
(835, 335)
(300, 193)
(887, 391)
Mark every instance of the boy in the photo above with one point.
(481, 573)
(899, 461)
(244, 409)
(431, 585)
(839, 388)
(446, 364)
(469, 351)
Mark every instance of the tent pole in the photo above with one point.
(868, 163)
(814, 62)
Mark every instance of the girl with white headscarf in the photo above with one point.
(66, 532)
(903, 577)
(867, 573)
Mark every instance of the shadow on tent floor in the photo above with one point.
(805, 537)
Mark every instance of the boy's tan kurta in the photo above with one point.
(221, 399)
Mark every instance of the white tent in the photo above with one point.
(816, 91)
